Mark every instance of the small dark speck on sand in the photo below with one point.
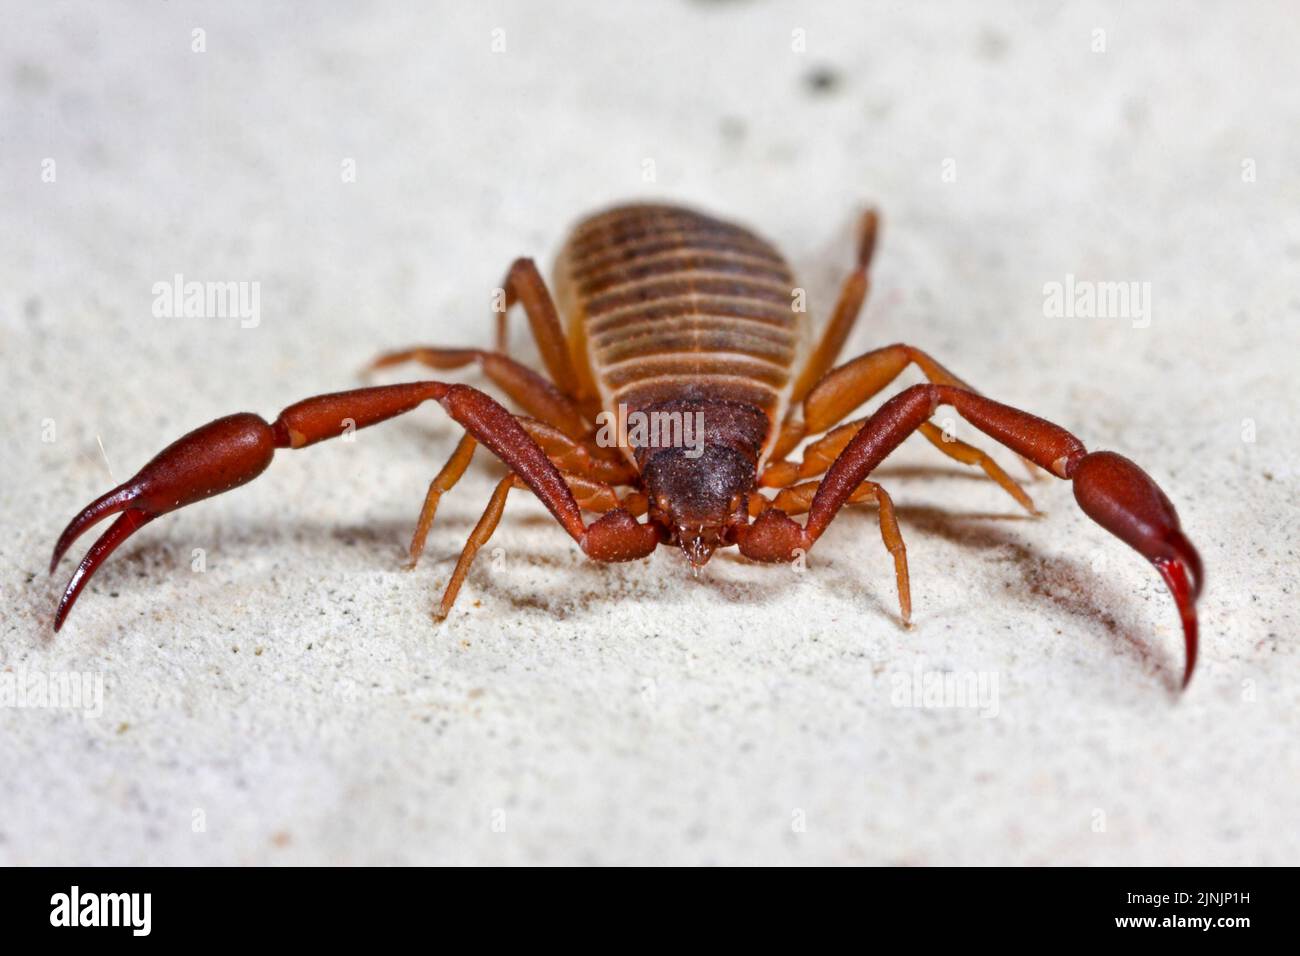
(822, 80)
(992, 45)
(732, 128)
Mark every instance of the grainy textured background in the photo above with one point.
(293, 703)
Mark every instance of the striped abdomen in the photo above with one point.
(667, 305)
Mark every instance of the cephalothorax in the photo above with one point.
(693, 325)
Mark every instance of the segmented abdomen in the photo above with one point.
(667, 304)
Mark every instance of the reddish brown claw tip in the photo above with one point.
(1174, 571)
(1183, 551)
(107, 504)
(117, 532)
(1124, 500)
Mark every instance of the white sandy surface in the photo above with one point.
(293, 701)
